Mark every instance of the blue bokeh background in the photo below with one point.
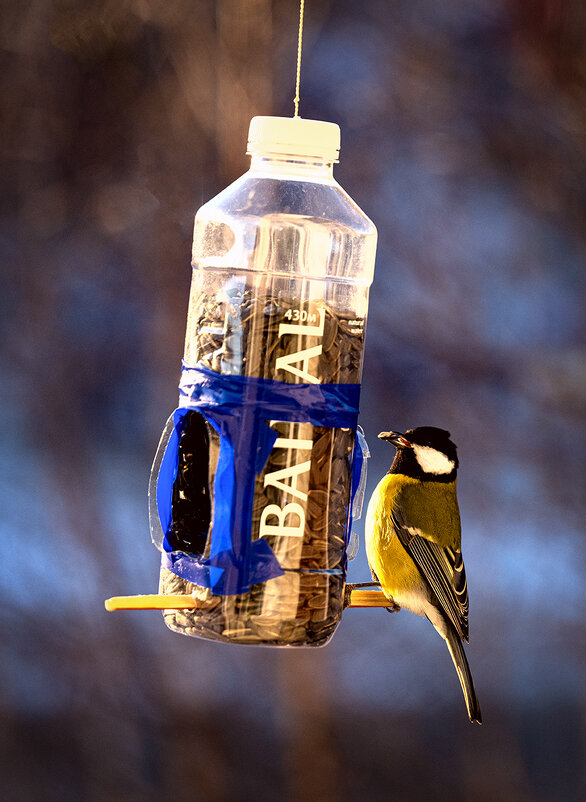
(463, 138)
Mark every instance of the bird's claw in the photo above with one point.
(393, 608)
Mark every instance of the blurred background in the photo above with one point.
(463, 138)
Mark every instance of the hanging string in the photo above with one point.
(299, 43)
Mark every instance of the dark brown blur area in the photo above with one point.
(463, 138)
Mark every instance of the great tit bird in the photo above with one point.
(413, 540)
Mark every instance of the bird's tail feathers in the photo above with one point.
(463, 669)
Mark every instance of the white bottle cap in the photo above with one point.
(294, 136)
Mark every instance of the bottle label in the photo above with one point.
(277, 380)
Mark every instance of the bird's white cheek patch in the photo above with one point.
(432, 461)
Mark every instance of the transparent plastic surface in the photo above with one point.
(274, 220)
(282, 263)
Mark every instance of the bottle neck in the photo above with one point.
(291, 166)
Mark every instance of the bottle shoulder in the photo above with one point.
(285, 226)
(256, 195)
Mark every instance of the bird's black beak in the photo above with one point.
(396, 438)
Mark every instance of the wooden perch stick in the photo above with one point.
(368, 598)
(153, 601)
(358, 598)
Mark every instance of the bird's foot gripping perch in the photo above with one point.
(354, 597)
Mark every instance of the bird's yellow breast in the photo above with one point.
(429, 509)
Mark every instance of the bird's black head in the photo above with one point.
(424, 453)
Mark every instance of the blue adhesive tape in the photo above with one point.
(240, 408)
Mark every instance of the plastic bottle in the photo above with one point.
(262, 452)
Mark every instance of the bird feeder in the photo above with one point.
(261, 468)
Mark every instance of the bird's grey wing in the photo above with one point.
(443, 568)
